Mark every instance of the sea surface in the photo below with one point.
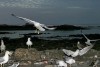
(56, 34)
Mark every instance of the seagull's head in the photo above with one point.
(95, 56)
(78, 42)
(9, 52)
(29, 38)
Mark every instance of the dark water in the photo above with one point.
(48, 34)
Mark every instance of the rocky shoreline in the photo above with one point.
(34, 58)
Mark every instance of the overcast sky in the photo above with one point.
(51, 11)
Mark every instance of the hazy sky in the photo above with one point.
(51, 11)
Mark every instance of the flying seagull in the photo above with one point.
(2, 47)
(5, 58)
(88, 42)
(39, 26)
(79, 52)
(29, 42)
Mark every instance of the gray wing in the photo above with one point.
(47, 27)
(67, 52)
(25, 19)
(1, 59)
(95, 40)
(85, 36)
(85, 50)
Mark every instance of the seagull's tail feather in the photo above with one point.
(47, 27)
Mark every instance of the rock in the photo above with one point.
(33, 54)
(27, 54)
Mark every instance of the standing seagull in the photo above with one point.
(2, 47)
(79, 45)
(88, 42)
(61, 63)
(5, 58)
(29, 43)
(39, 26)
(69, 60)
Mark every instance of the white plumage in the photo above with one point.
(88, 42)
(61, 63)
(2, 47)
(29, 43)
(77, 52)
(79, 45)
(39, 26)
(5, 58)
(69, 60)
(14, 65)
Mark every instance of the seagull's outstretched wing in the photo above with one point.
(85, 36)
(25, 19)
(95, 40)
(85, 50)
(47, 27)
(68, 52)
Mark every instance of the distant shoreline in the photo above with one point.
(31, 27)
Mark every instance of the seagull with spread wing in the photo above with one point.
(88, 42)
(79, 52)
(39, 26)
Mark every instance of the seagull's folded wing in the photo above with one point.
(47, 27)
(85, 50)
(68, 52)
